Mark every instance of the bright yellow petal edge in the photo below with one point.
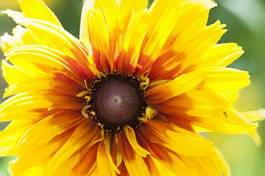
(168, 46)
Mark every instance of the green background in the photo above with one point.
(246, 24)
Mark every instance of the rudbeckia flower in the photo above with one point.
(131, 97)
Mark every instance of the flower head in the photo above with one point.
(129, 97)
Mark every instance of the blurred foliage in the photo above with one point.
(246, 26)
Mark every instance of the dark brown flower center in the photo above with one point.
(117, 101)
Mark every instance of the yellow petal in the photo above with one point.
(105, 165)
(100, 29)
(128, 60)
(14, 74)
(100, 41)
(158, 168)
(220, 55)
(54, 126)
(229, 122)
(176, 87)
(213, 164)
(23, 103)
(176, 139)
(254, 116)
(37, 9)
(84, 32)
(43, 60)
(34, 171)
(203, 166)
(171, 26)
(129, 133)
(128, 7)
(52, 36)
(44, 85)
(87, 134)
(134, 163)
(220, 162)
(87, 162)
(187, 51)
(21, 36)
(196, 45)
(11, 135)
(25, 163)
(227, 81)
(158, 30)
(195, 103)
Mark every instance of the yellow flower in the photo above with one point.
(131, 96)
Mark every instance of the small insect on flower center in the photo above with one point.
(116, 101)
